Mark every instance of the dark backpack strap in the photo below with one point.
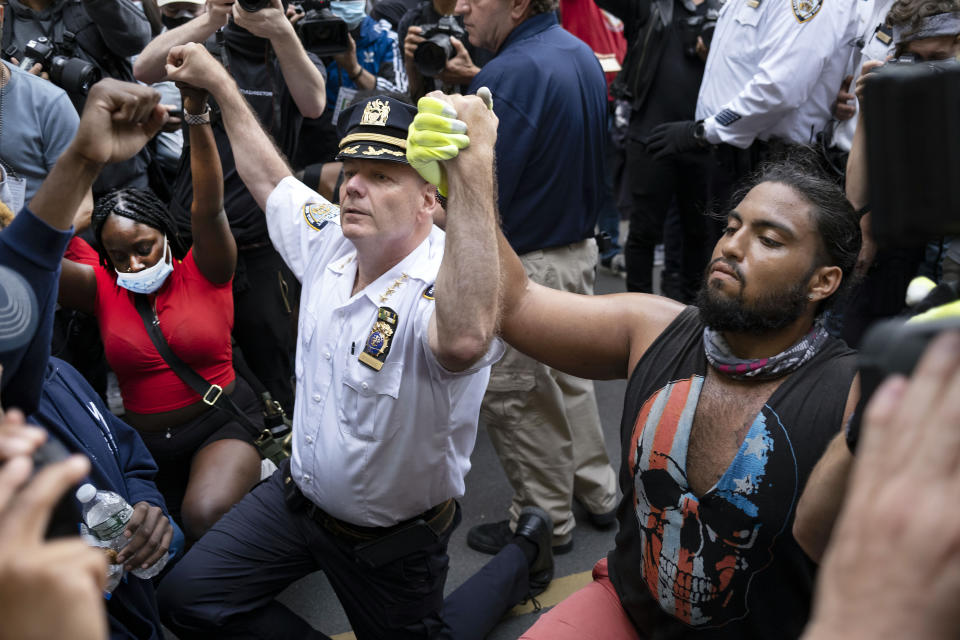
(212, 394)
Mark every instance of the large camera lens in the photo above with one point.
(432, 55)
(73, 75)
(253, 5)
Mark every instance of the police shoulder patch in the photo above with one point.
(804, 10)
(317, 214)
(428, 292)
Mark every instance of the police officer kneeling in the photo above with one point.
(395, 341)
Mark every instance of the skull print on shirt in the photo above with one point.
(700, 554)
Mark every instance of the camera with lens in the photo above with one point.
(321, 32)
(73, 75)
(700, 25)
(912, 119)
(913, 150)
(432, 54)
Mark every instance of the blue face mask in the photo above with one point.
(350, 11)
(150, 279)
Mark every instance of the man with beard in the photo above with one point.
(729, 406)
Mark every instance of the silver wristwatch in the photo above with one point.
(199, 118)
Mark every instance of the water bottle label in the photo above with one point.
(114, 525)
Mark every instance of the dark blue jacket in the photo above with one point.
(32, 248)
(73, 412)
(551, 98)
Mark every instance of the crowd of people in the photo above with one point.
(266, 266)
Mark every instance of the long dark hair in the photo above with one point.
(140, 205)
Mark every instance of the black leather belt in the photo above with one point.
(438, 518)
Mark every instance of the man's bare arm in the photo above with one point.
(259, 162)
(467, 288)
(150, 65)
(593, 337)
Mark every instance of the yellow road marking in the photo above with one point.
(558, 590)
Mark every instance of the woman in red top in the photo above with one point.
(205, 457)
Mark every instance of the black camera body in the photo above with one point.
(912, 115)
(321, 32)
(432, 54)
(73, 75)
(251, 6)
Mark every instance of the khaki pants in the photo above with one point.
(544, 424)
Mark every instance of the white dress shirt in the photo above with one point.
(874, 44)
(370, 447)
(774, 69)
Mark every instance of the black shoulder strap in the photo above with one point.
(212, 394)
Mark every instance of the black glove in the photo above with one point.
(671, 138)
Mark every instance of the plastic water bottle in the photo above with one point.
(106, 515)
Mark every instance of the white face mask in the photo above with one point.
(150, 279)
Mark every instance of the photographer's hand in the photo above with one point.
(270, 22)
(865, 75)
(36, 69)
(892, 569)
(460, 68)
(351, 66)
(16, 437)
(47, 589)
(411, 42)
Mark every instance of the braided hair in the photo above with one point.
(139, 205)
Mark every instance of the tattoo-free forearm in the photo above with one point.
(149, 66)
(306, 84)
(468, 284)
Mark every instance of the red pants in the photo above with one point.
(592, 613)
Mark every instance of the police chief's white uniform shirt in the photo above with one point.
(370, 447)
(774, 69)
(875, 44)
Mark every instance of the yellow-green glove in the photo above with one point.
(436, 135)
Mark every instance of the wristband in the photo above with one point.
(354, 77)
(198, 118)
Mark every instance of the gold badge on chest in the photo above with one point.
(378, 343)
(377, 346)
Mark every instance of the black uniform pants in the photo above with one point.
(225, 586)
(654, 185)
(266, 298)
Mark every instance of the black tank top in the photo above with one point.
(724, 565)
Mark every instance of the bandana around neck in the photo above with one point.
(721, 356)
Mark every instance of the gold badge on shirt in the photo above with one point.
(377, 346)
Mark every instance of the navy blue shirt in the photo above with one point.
(551, 98)
(119, 461)
(33, 249)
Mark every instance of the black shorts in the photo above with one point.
(174, 449)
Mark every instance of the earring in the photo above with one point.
(809, 296)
